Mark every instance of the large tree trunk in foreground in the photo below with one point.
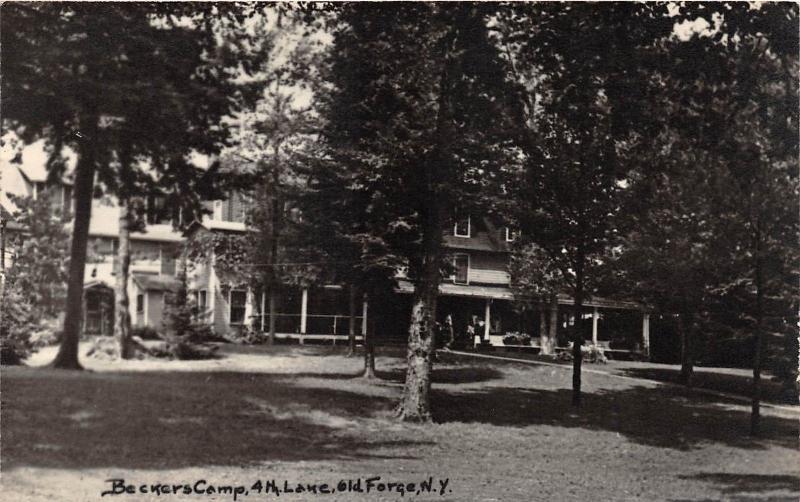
(351, 325)
(577, 336)
(67, 357)
(687, 362)
(122, 316)
(415, 406)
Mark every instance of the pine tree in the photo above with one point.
(416, 100)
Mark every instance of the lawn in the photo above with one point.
(502, 431)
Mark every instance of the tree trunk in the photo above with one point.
(369, 351)
(415, 406)
(547, 331)
(275, 221)
(553, 325)
(687, 364)
(755, 415)
(67, 357)
(351, 327)
(122, 316)
(273, 297)
(577, 335)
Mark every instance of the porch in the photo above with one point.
(315, 315)
(487, 317)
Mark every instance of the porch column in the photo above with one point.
(595, 318)
(303, 311)
(646, 333)
(487, 319)
(364, 307)
(211, 294)
(248, 307)
(263, 308)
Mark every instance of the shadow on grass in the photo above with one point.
(771, 392)
(749, 483)
(661, 417)
(159, 420)
(453, 376)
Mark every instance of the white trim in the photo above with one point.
(469, 228)
(263, 308)
(204, 307)
(304, 312)
(510, 235)
(455, 274)
(364, 307)
(146, 317)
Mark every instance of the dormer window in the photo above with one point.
(511, 235)
(463, 227)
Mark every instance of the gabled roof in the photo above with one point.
(485, 236)
(211, 224)
(150, 282)
(33, 161)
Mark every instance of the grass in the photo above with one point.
(736, 381)
(502, 431)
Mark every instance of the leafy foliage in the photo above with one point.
(19, 320)
(183, 332)
(535, 276)
(119, 82)
(41, 255)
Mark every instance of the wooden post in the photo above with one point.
(248, 308)
(304, 312)
(263, 308)
(595, 318)
(364, 307)
(646, 334)
(487, 319)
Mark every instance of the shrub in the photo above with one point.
(145, 333)
(46, 334)
(591, 354)
(184, 335)
(514, 338)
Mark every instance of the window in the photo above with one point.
(237, 300)
(140, 304)
(511, 235)
(461, 264)
(462, 227)
(167, 260)
(201, 300)
(157, 210)
(235, 208)
(66, 202)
